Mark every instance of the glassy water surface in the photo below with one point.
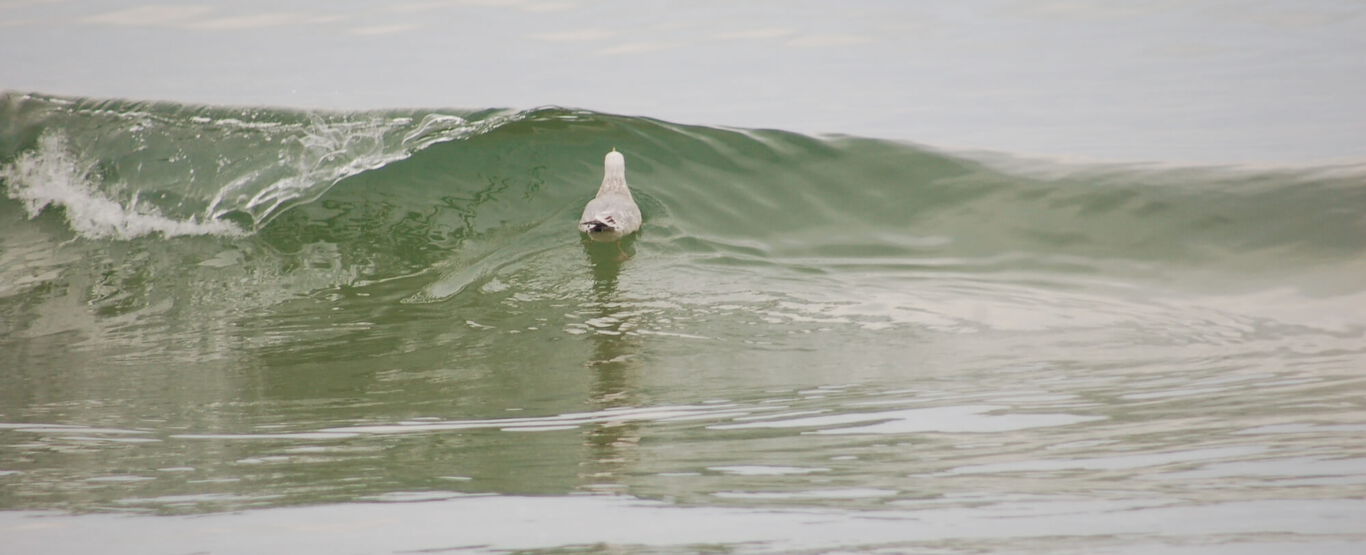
(246, 330)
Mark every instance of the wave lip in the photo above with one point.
(317, 156)
(52, 175)
(127, 169)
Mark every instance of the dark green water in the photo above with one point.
(381, 330)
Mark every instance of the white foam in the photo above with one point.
(52, 175)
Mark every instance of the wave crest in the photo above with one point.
(53, 175)
(126, 169)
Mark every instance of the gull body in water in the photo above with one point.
(613, 214)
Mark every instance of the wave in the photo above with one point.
(400, 191)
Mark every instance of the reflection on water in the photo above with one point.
(1227, 418)
(615, 365)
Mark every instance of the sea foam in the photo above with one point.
(52, 175)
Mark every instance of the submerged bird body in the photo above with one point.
(612, 214)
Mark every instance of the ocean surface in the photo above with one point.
(249, 330)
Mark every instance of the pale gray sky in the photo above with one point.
(1184, 81)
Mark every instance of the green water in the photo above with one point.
(242, 330)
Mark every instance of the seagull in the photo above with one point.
(612, 214)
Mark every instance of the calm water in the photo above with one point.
(248, 330)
